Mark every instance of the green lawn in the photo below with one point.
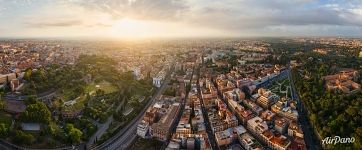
(104, 85)
(280, 85)
(68, 94)
(5, 118)
(78, 105)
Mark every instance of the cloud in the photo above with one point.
(63, 23)
(53, 23)
(138, 9)
(260, 17)
(60, 14)
(234, 17)
(99, 25)
(233, 14)
(2, 10)
(314, 30)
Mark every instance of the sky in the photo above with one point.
(179, 18)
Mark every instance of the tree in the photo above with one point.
(119, 116)
(74, 134)
(134, 102)
(3, 130)
(37, 112)
(1, 104)
(313, 118)
(170, 92)
(22, 137)
(27, 74)
(30, 100)
(100, 92)
(42, 74)
(332, 113)
(351, 111)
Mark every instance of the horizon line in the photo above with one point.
(162, 38)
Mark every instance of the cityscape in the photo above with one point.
(152, 75)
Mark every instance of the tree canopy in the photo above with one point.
(331, 113)
(36, 112)
(74, 134)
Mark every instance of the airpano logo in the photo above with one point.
(337, 139)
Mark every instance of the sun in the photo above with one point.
(131, 28)
(130, 24)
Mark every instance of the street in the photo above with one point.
(206, 118)
(127, 135)
(310, 140)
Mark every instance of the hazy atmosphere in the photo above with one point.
(180, 74)
(179, 18)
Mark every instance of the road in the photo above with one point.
(239, 119)
(8, 146)
(309, 137)
(209, 131)
(127, 135)
(102, 127)
(178, 117)
(118, 142)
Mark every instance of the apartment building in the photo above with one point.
(161, 129)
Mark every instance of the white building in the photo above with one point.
(257, 125)
(249, 142)
(30, 126)
(143, 129)
(137, 73)
(239, 130)
(157, 81)
(281, 108)
(267, 98)
(173, 146)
